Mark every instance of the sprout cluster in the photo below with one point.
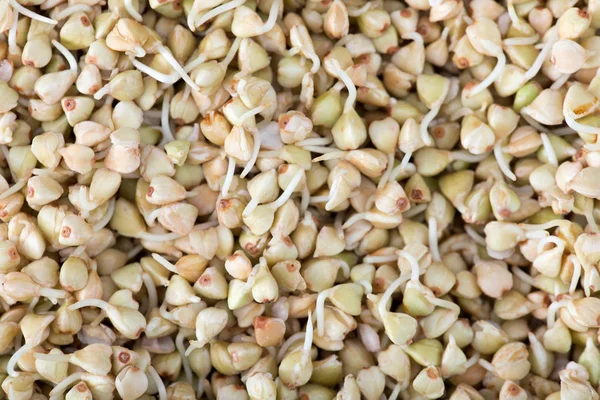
(299, 199)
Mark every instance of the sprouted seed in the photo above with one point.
(187, 190)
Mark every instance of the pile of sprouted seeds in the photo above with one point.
(317, 199)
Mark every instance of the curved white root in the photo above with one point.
(75, 8)
(164, 262)
(491, 78)
(433, 239)
(167, 134)
(228, 177)
(576, 274)
(550, 153)
(107, 217)
(254, 156)
(477, 238)
(349, 86)
(356, 12)
(28, 13)
(388, 171)
(562, 79)
(13, 189)
(167, 79)
(212, 13)
(135, 14)
(287, 193)
(13, 47)
(186, 363)
(151, 290)
(14, 359)
(501, 161)
(320, 310)
(59, 389)
(104, 90)
(250, 207)
(543, 54)
(308, 338)
(305, 199)
(168, 56)
(162, 391)
(578, 127)
(288, 343)
(66, 54)
(273, 14)
(521, 41)
(382, 304)
(486, 364)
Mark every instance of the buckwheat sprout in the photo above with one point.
(553, 309)
(349, 85)
(357, 12)
(168, 56)
(579, 127)
(308, 339)
(288, 343)
(512, 13)
(562, 79)
(59, 389)
(134, 252)
(589, 216)
(287, 193)
(522, 41)
(185, 361)
(272, 19)
(576, 275)
(162, 391)
(320, 309)
(499, 255)
(542, 227)
(66, 54)
(14, 359)
(408, 168)
(167, 134)
(196, 62)
(165, 263)
(486, 365)
(151, 290)
(368, 288)
(496, 72)
(380, 259)
(132, 11)
(228, 177)
(167, 79)
(477, 238)
(523, 276)
(315, 141)
(305, 199)
(529, 119)
(13, 48)
(14, 188)
(28, 13)
(70, 10)
(211, 14)
(382, 303)
(502, 163)
(388, 171)
(414, 211)
(433, 239)
(231, 53)
(158, 237)
(397, 388)
(544, 53)
(465, 156)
